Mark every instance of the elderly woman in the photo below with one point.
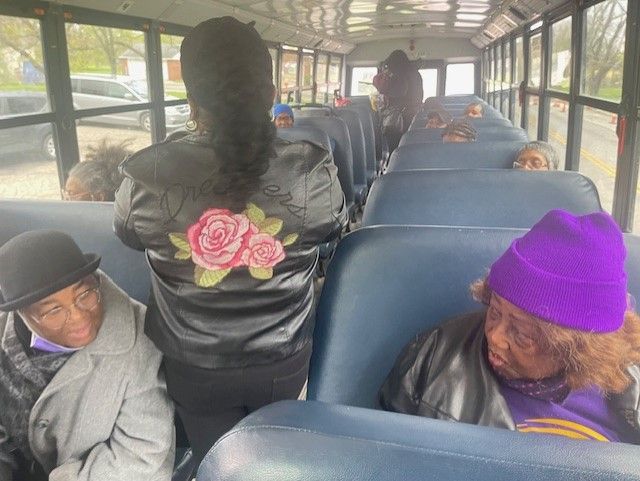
(536, 155)
(474, 110)
(97, 178)
(282, 116)
(459, 131)
(80, 389)
(231, 218)
(556, 351)
(435, 120)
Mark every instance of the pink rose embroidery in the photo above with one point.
(218, 239)
(221, 241)
(263, 251)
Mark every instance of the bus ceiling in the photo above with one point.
(338, 26)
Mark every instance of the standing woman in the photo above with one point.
(230, 218)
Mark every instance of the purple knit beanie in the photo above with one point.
(568, 270)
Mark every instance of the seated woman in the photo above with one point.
(282, 116)
(459, 131)
(536, 155)
(556, 351)
(81, 393)
(435, 120)
(474, 110)
(97, 178)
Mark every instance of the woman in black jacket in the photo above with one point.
(230, 218)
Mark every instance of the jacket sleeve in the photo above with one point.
(327, 214)
(142, 444)
(6, 458)
(401, 391)
(124, 220)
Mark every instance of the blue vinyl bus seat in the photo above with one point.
(336, 129)
(485, 134)
(91, 225)
(358, 150)
(386, 284)
(311, 441)
(456, 99)
(477, 197)
(473, 155)
(365, 114)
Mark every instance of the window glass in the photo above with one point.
(498, 67)
(519, 59)
(492, 70)
(560, 71)
(517, 113)
(507, 62)
(362, 80)
(535, 54)
(171, 74)
(598, 152)
(289, 70)
(176, 116)
(274, 62)
(558, 128)
(603, 57)
(429, 82)
(334, 74)
(460, 79)
(532, 125)
(130, 128)
(28, 167)
(22, 65)
(306, 97)
(321, 77)
(307, 70)
(110, 63)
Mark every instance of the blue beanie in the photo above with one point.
(282, 109)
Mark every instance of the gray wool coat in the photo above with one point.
(106, 415)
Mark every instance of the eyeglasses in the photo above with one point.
(68, 195)
(535, 164)
(87, 300)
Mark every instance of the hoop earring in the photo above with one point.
(191, 125)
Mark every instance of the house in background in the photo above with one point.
(132, 63)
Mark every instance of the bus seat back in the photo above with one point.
(311, 134)
(310, 441)
(477, 197)
(488, 155)
(388, 283)
(485, 134)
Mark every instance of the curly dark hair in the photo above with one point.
(461, 128)
(227, 71)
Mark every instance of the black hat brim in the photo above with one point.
(93, 261)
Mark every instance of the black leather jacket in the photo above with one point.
(444, 374)
(225, 296)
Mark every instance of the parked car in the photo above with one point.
(92, 91)
(30, 138)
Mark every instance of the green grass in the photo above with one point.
(180, 94)
(19, 87)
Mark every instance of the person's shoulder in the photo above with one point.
(304, 152)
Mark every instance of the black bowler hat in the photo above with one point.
(37, 263)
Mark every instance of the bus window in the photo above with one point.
(507, 79)
(532, 124)
(362, 80)
(335, 73)
(429, 82)
(560, 68)
(519, 72)
(558, 128)
(27, 153)
(171, 73)
(321, 77)
(598, 152)
(116, 130)
(535, 64)
(603, 52)
(460, 79)
(289, 72)
(307, 79)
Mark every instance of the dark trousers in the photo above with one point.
(211, 401)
